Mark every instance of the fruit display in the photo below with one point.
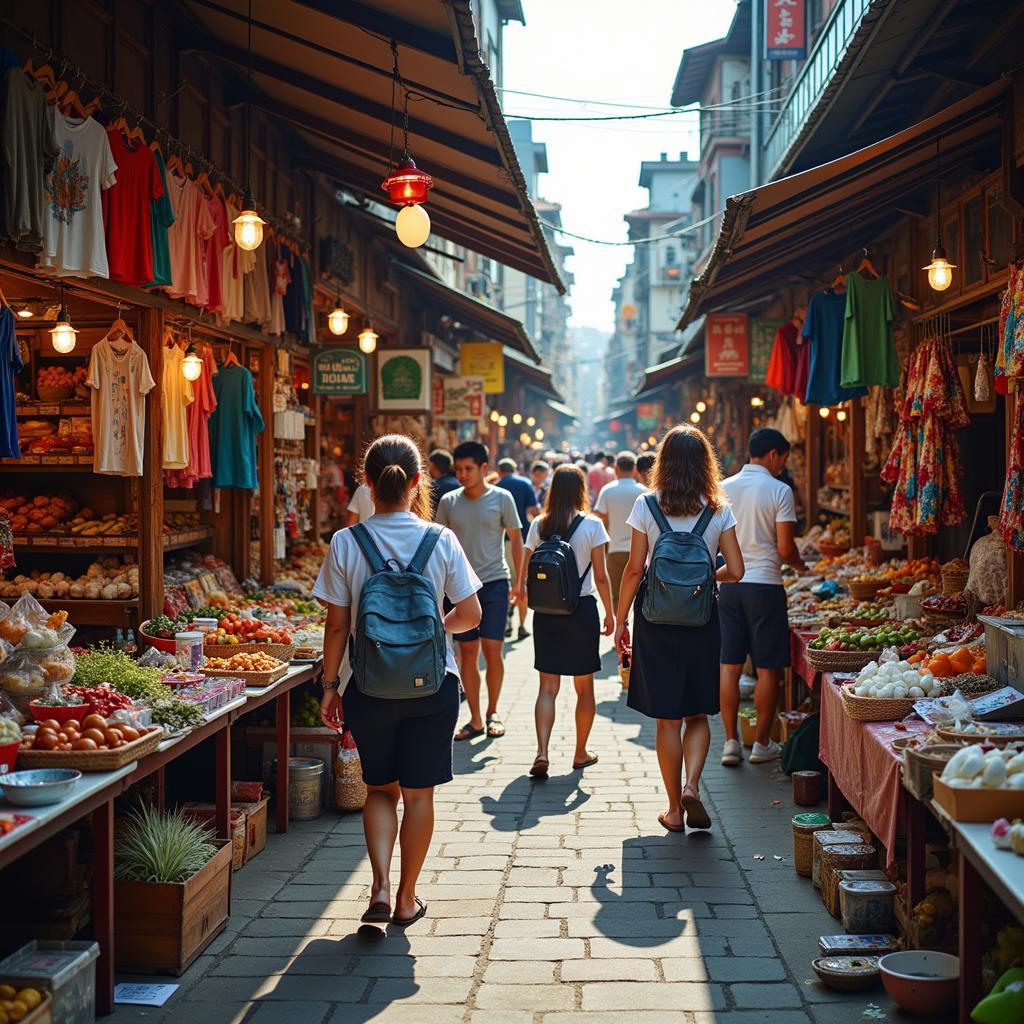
(876, 639)
(944, 665)
(307, 714)
(257, 662)
(44, 513)
(945, 604)
(302, 566)
(17, 1004)
(94, 732)
(235, 629)
(104, 700)
(870, 611)
(108, 578)
(895, 679)
(60, 377)
(10, 731)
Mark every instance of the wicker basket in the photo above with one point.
(952, 736)
(943, 618)
(253, 679)
(865, 590)
(842, 857)
(60, 394)
(875, 709)
(954, 580)
(349, 788)
(833, 550)
(840, 661)
(919, 767)
(803, 836)
(92, 760)
(283, 652)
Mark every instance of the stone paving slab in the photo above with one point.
(555, 902)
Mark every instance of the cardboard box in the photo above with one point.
(978, 805)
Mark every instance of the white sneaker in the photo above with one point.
(732, 753)
(771, 751)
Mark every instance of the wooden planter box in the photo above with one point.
(161, 927)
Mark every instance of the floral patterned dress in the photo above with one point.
(1011, 514)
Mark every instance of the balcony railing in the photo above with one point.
(829, 50)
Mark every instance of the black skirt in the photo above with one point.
(568, 645)
(674, 671)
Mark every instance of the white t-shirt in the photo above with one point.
(362, 503)
(641, 519)
(616, 501)
(759, 501)
(589, 534)
(177, 394)
(75, 243)
(119, 374)
(398, 534)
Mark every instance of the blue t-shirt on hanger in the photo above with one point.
(823, 328)
(233, 428)
(10, 366)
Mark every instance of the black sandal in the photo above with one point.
(377, 913)
(467, 732)
(540, 768)
(404, 922)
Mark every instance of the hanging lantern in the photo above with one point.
(841, 415)
(495, 415)
(367, 338)
(695, 417)
(502, 421)
(531, 421)
(517, 418)
(412, 225)
(337, 319)
(25, 312)
(702, 406)
(192, 364)
(539, 434)
(940, 270)
(248, 225)
(62, 333)
(407, 184)
(824, 412)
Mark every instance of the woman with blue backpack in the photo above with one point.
(564, 566)
(679, 529)
(383, 582)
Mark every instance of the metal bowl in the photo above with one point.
(39, 786)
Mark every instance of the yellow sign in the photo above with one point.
(484, 359)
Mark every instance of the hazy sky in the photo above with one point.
(625, 51)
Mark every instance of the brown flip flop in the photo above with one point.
(540, 768)
(467, 732)
(671, 828)
(404, 922)
(696, 813)
(585, 764)
(377, 913)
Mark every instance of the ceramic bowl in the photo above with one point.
(39, 786)
(847, 973)
(921, 981)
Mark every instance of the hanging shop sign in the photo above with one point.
(463, 398)
(785, 27)
(437, 390)
(726, 350)
(762, 340)
(484, 359)
(339, 371)
(403, 380)
(648, 415)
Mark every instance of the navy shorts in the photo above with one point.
(493, 599)
(404, 741)
(755, 622)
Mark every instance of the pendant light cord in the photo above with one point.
(248, 107)
(938, 193)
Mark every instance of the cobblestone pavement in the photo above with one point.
(555, 902)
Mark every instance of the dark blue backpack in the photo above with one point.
(553, 581)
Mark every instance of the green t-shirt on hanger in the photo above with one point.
(869, 353)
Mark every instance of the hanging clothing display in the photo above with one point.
(282, 279)
(161, 217)
(29, 148)
(791, 419)
(127, 210)
(192, 226)
(823, 329)
(10, 365)
(924, 464)
(869, 352)
(879, 422)
(74, 243)
(213, 252)
(294, 298)
(233, 428)
(177, 394)
(1011, 511)
(120, 378)
(256, 290)
(1010, 344)
(788, 366)
(236, 264)
(204, 401)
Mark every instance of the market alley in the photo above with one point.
(557, 902)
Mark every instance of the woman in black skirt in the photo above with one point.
(674, 669)
(567, 645)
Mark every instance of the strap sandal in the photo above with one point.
(404, 922)
(495, 728)
(467, 732)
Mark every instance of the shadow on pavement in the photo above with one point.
(561, 795)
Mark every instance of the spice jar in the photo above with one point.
(188, 649)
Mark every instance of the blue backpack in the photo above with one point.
(399, 645)
(681, 584)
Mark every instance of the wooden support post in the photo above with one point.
(917, 824)
(161, 788)
(972, 913)
(265, 391)
(222, 797)
(103, 903)
(281, 707)
(812, 454)
(151, 485)
(854, 461)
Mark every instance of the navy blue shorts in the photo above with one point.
(755, 622)
(404, 741)
(493, 599)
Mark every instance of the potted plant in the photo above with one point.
(172, 891)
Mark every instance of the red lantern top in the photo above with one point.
(408, 184)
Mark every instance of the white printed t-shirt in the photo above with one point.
(74, 242)
(589, 534)
(641, 519)
(120, 378)
(362, 503)
(759, 501)
(397, 535)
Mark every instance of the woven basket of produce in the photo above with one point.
(93, 760)
(937, 618)
(832, 550)
(875, 709)
(954, 576)
(970, 684)
(256, 669)
(865, 590)
(283, 652)
(839, 661)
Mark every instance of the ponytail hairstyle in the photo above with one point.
(390, 464)
(567, 498)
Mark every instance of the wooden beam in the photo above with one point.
(151, 486)
(265, 453)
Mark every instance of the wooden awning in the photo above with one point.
(802, 223)
(668, 372)
(536, 377)
(324, 67)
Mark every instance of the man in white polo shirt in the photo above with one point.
(614, 504)
(753, 613)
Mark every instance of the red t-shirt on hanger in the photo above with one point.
(789, 364)
(127, 211)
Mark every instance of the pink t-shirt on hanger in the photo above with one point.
(199, 412)
(187, 236)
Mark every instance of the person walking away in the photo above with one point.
(568, 644)
(360, 508)
(540, 477)
(599, 475)
(442, 475)
(614, 504)
(480, 515)
(405, 745)
(527, 506)
(674, 669)
(644, 465)
(753, 612)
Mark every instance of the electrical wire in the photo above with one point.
(685, 230)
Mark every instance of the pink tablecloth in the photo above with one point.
(798, 641)
(864, 766)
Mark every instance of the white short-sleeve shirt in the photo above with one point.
(362, 503)
(589, 534)
(397, 534)
(759, 501)
(641, 519)
(616, 501)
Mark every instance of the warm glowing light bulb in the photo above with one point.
(495, 415)
(940, 273)
(702, 406)
(192, 364)
(695, 417)
(539, 434)
(824, 412)
(502, 421)
(304, 385)
(62, 333)
(25, 313)
(525, 438)
(756, 402)
(412, 225)
(248, 227)
(841, 415)
(530, 421)
(337, 320)
(517, 418)
(652, 440)
(367, 338)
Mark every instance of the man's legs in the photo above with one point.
(469, 658)
(616, 567)
(729, 699)
(766, 700)
(495, 677)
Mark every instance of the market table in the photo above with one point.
(798, 641)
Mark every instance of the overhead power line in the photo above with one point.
(685, 230)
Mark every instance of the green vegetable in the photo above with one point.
(177, 714)
(103, 664)
(161, 846)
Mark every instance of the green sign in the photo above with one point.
(762, 338)
(339, 371)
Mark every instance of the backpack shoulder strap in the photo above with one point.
(425, 549)
(573, 527)
(369, 548)
(659, 516)
(702, 523)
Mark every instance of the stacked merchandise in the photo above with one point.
(1009, 367)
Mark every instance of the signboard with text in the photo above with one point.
(726, 349)
(648, 415)
(785, 28)
(339, 371)
(484, 359)
(404, 380)
(463, 398)
(762, 340)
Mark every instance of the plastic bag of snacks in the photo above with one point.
(349, 788)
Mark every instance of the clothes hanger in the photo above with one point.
(232, 359)
(119, 329)
(839, 281)
(866, 264)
